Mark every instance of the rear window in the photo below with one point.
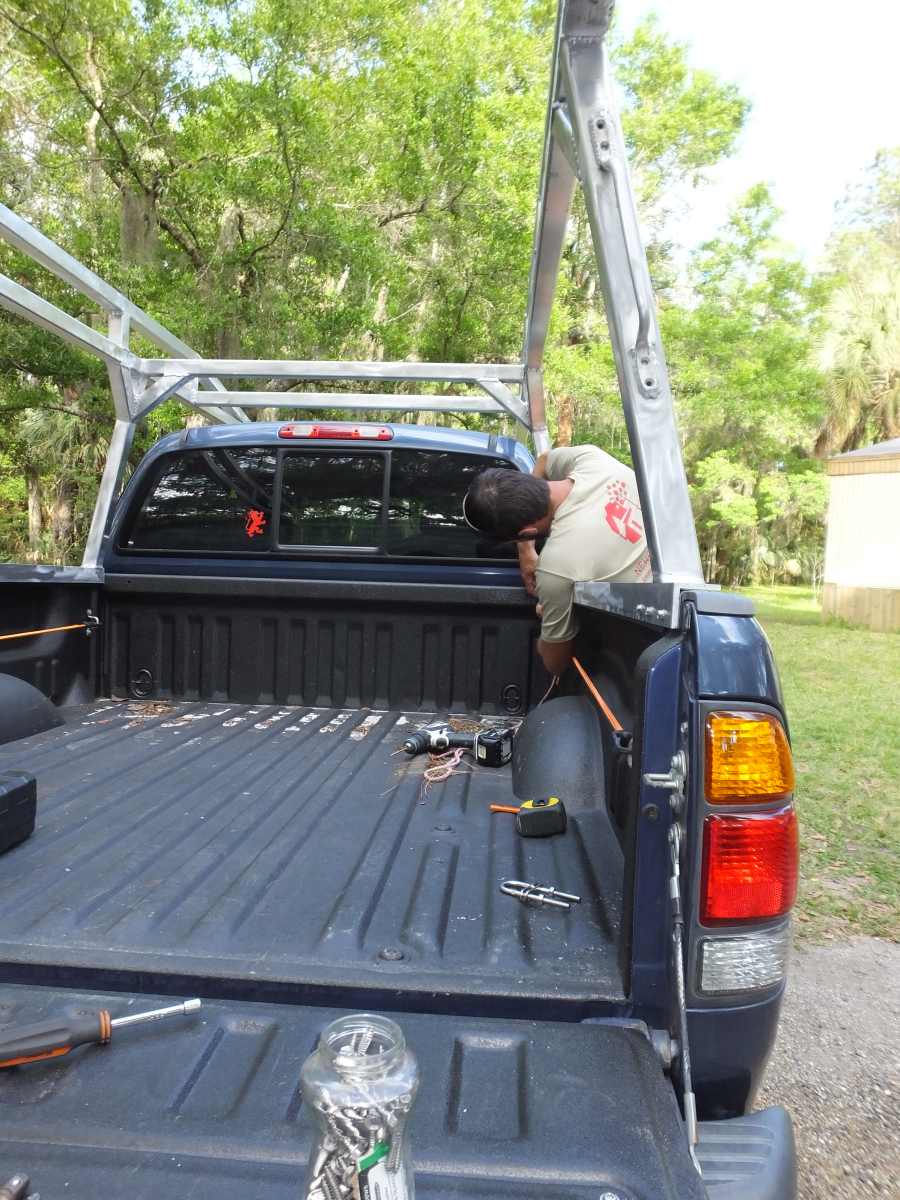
(425, 517)
(332, 500)
(216, 501)
(398, 503)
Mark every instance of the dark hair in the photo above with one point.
(500, 502)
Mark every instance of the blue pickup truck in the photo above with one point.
(224, 812)
(214, 707)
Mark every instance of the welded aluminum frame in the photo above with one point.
(583, 145)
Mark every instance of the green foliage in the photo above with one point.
(859, 347)
(848, 782)
(357, 181)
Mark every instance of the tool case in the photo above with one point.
(18, 806)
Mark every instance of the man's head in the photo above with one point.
(502, 503)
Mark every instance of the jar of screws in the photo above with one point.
(359, 1085)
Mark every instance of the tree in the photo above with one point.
(860, 354)
(859, 349)
(748, 397)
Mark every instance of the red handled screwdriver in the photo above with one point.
(52, 1039)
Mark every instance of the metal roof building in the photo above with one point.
(862, 548)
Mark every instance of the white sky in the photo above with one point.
(823, 77)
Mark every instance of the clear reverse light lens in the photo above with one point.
(745, 963)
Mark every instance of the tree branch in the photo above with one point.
(398, 216)
(71, 412)
(289, 207)
(50, 45)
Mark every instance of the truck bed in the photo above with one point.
(293, 853)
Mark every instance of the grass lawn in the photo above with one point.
(842, 690)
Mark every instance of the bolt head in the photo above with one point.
(391, 954)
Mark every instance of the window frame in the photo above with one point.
(274, 549)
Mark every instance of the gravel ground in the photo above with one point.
(836, 1067)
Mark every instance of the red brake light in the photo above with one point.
(337, 433)
(750, 866)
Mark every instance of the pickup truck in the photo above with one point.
(214, 704)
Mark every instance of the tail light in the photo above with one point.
(337, 433)
(750, 866)
(744, 963)
(748, 759)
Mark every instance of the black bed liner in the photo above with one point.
(266, 853)
(208, 1106)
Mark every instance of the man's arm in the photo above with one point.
(528, 561)
(528, 556)
(556, 656)
(559, 625)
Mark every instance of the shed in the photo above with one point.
(862, 546)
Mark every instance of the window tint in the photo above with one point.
(213, 500)
(425, 517)
(332, 499)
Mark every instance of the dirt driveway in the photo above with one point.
(836, 1067)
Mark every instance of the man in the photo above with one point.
(585, 503)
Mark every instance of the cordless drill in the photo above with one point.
(491, 747)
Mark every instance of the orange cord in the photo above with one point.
(6, 637)
(604, 707)
(507, 808)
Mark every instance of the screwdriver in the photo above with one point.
(52, 1039)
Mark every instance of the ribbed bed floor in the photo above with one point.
(284, 852)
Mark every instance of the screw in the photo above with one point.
(393, 1159)
(651, 812)
(391, 954)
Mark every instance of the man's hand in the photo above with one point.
(528, 561)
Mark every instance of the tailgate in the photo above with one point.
(208, 1107)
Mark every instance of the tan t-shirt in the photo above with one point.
(597, 533)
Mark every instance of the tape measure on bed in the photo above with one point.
(541, 817)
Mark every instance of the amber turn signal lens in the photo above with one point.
(748, 758)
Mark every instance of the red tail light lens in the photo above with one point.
(337, 433)
(750, 866)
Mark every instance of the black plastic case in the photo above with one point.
(18, 805)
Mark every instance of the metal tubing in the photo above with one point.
(625, 282)
(110, 483)
(514, 406)
(534, 390)
(33, 308)
(393, 402)
(235, 368)
(557, 188)
(562, 131)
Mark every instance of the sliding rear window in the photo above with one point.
(332, 499)
(397, 503)
(208, 501)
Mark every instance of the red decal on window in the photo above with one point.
(255, 523)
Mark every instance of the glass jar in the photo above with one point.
(359, 1085)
